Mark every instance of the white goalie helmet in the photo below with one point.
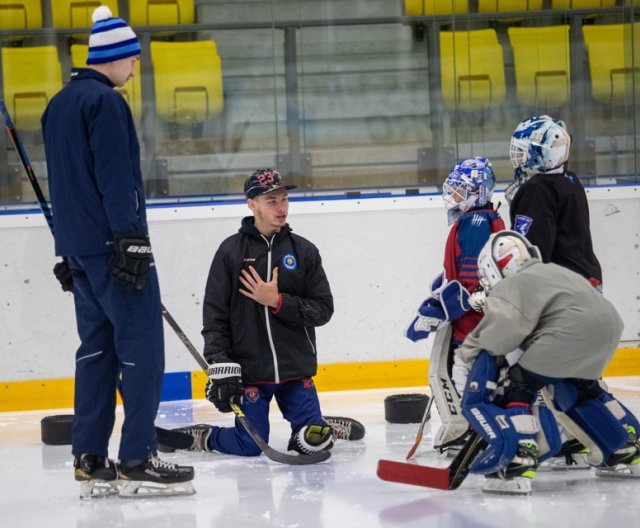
(539, 144)
(503, 255)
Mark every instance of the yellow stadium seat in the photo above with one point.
(541, 61)
(188, 81)
(503, 6)
(19, 14)
(472, 69)
(581, 4)
(77, 14)
(435, 7)
(30, 77)
(131, 91)
(161, 12)
(611, 74)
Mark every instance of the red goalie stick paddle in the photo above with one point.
(443, 478)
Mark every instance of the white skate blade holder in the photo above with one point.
(514, 486)
(97, 489)
(619, 471)
(143, 489)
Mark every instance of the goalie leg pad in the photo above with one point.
(548, 438)
(502, 429)
(600, 422)
(481, 382)
(454, 425)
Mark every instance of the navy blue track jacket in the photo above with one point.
(93, 163)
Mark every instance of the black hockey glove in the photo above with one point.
(224, 383)
(63, 274)
(133, 258)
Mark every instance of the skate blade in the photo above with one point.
(515, 486)
(133, 489)
(621, 471)
(98, 489)
(562, 466)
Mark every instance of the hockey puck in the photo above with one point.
(405, 408)
(56, 430)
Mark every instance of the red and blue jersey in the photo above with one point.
(467, 237)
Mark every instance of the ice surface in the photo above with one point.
(37, 487)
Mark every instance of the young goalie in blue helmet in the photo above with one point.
(568, 333)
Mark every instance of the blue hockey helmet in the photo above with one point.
(469, 184)
(539, 144)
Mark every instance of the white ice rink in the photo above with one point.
(37, 487)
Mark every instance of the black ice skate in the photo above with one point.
(625, 462)
(154, 477)
(311, 439)
(345, 428)
(516, 477)
(572, 455)
(200, 434)
(98, 476)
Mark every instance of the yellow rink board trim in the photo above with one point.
(58, 393)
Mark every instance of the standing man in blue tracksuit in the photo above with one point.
(100, 227)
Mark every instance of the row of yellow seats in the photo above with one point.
(472, 65)
(27, 14)
(187, 79)
(460, 7)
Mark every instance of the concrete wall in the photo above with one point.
(379, 253)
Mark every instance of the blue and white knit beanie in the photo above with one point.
(111, 39)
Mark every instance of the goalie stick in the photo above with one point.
(425, 419)
(443, 478)
(271, 453)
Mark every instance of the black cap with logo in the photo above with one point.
(262, 181)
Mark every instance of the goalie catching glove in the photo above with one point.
(133, 259)
(224, 383)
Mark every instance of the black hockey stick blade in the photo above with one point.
(443, 478)
(276, 456)
(169, 441)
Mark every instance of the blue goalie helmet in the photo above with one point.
(469, 184)
(539, 144)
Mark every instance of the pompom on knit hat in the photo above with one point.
(111, 38)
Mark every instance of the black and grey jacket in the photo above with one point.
(552, 211)
(271, 346)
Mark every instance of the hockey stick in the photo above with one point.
(173, 440)
(22, 153)
(44, 205)
(443, 478)
(425, 419)
(268, 451)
